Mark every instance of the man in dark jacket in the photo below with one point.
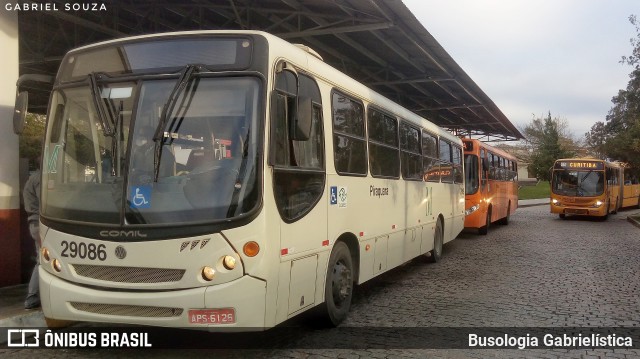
(31, 196)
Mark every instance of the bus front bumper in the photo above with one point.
(196, 308)
(580, 211)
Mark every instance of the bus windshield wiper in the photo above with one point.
(167, 110)
(97, 101)
(579, 188)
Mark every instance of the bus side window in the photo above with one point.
(349, 143)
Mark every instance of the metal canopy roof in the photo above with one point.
(378, 42)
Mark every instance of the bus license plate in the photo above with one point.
(212, 316)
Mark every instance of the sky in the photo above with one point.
(532, 57)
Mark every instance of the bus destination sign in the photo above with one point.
(579, 165)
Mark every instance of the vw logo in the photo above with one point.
(121, 252)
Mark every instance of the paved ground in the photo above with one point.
(539, 271)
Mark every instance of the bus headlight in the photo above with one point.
(208, 273)
(555, 201)
(229, 262)
(57, 266)
(597, 204)
(45, 254)
(471, 209)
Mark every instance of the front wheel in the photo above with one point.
(606, 215)
(485, 229)
(505, 220)
(338, 289)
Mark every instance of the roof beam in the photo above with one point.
(337, 30)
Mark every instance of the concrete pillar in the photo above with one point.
(10, 269)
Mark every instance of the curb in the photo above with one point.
(634, 219)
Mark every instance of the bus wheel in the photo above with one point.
(338, 289)
(638, 201)
(615, 209)
(505, 220)
(438, 239)
(485, 229)
(606, 215)
(562, 215)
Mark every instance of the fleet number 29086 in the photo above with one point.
(82, 250)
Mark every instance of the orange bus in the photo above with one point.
(491, 185)
(588, 187)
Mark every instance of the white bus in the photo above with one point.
(230, 180)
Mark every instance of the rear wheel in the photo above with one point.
(505, 220)
(338, 289)
(438, 239)
(485, 229)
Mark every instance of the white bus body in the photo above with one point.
(116, 258)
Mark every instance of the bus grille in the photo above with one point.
(129, 274)
(127, 310)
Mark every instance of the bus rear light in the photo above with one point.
(229, 262)
(45, 254)
(208, 273)
(251, 249)
(57, 266)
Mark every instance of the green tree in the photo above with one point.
(31, 139)
(618, 137)
(547, 139)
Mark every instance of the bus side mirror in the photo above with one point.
(20, 112)
(301, 123)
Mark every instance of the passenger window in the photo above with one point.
(383, 144)
(411, 156)
(430, 162)
(349, 146)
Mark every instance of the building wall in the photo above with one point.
(10, 269)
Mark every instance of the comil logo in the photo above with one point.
(23, 338)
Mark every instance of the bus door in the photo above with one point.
(299, 181)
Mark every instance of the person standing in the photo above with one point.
(31, 196)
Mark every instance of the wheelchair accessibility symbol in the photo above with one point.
(140, 197)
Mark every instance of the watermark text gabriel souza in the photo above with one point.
(550, 340)
(34, 339)
(49, 6)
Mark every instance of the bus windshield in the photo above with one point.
(578, 183)
(101, 170)
(471, 182)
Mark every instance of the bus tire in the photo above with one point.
(485, 229)
(338, 288)
(638, 202)
(606, 214)
(615, 209)
(562, 215)
(505, 220)
(438, 240)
